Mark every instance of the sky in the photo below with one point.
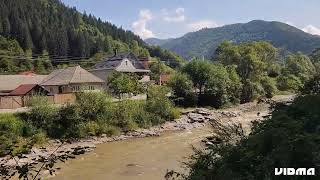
(174, 18)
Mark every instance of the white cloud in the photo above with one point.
(312, 30)
(195, 26)
(176, 16)
(140, 26)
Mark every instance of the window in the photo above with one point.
(75, 88)
(91, 88)
(126, 63)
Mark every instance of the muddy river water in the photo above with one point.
(135, 159)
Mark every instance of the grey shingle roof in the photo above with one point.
(114, 61)
(11, 82)
(71, 75)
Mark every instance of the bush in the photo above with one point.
(312, 86)
(42, 114)
(175, 113)
(16, 136)
(251, 91)
(289, 83)
(158, 103)
(92, 104)
(269, 87)
(183, 90)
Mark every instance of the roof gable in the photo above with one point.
(115, 61)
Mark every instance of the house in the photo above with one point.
(71, 80)
(124, 62)
(59, 87)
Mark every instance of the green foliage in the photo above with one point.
(158, 68)
(93, 114)
(61, 30)
(300, 66)
(183, 90)
(199, 72)
(269, 86)
(289, 83)
(214, 84)
(159, 104)
(315, 56)
(42, 114)
(220, 89)
(312, 86)
(171, 59)
(91, 104)
(279, 141)
(121, 83)
(16, 135)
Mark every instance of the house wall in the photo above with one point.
(74, 88)
(126, 64)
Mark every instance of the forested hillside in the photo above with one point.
(205, 41)
(47, 30)
(50, 25)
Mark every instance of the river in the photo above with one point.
(135, 159)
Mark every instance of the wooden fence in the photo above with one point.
(14, 102)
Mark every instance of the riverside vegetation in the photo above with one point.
(289, 137)
(93, 114)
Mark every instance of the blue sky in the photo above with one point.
(173, 18)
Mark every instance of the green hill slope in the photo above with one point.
(281, 35)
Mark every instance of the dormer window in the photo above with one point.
(126, 63)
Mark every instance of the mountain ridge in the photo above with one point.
(205, 41)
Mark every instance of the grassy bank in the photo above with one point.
(93, 114)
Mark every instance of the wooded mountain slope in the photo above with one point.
(205, 41)
(50, 25)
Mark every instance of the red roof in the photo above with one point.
(22, 89)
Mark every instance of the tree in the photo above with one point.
(300, 66)
(183, 89)
(121, 83)
(199, 72)
(315, 56)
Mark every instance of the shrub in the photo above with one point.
(92, 104)
(269, 86)
(182, 88)
(15, 135)
(158, 103)
(42, 114)
(175, 113)
(289, 83)
(250, 91)
(312, 86)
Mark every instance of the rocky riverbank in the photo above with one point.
(193, 118)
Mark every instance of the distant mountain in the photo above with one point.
(205, 41)
(156, 41)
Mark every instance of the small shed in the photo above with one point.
(29, 90)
